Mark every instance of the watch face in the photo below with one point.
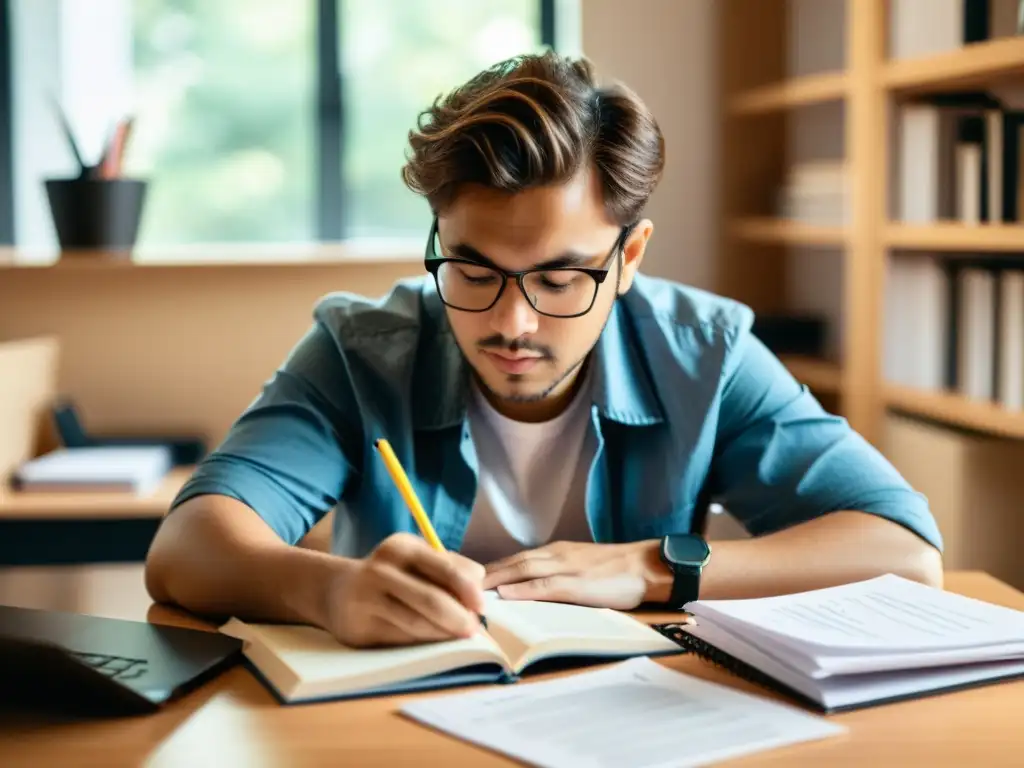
(686, 549)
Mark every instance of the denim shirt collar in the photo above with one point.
(623, 391)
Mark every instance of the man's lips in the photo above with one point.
(513, 364)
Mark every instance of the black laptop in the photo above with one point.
(89, 665)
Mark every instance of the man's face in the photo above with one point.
(526, 361)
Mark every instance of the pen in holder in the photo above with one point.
(91, 213)
(100, 208)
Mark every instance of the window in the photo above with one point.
(397, 57)
(256, 123)
(6, 140)
(226, 108)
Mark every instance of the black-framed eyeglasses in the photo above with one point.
(470, 286)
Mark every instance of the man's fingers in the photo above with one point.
(620, 592)
(557, 589)
(407, 625)
(525, 566)
(430, 601)
(451, 571)
(516, 560)
(469, 568)
(458, 575)
(385, 634)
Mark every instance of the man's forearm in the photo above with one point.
(213, 557)
(837, 548)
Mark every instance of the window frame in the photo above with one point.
(6, 127)
(329, 118)
(330, 113)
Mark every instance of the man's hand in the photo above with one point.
(617, 576)
(405, 592)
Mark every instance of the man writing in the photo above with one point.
(563, 418)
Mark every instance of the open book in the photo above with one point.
(304, 663)
(866, 643)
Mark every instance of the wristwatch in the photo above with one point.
(685, 554)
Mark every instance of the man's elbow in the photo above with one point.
(157, 569)
(926, 566)
(905, 552)
(173, 548)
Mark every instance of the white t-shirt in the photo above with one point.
(532, 479)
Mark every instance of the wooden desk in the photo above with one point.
(92, 506)
(234, 721)
(53, 528)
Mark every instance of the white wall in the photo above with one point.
(666, 51)
(39, 148)
(50, 40)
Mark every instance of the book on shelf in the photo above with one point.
(305, 663)
(815, 192)
(956, 324)
(975, 349)
(958, 153)
(857, 645)
(919, 28)
(958, 158)
(916, 321)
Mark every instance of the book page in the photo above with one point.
(535, 621)
(319, 664)
(529, 630)
(883, 614)
(635, 713)
(855, 689)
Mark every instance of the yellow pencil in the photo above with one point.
(401, 481)
(405, 488)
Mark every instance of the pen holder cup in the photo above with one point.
(96, 213)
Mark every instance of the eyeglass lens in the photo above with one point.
(560, 292)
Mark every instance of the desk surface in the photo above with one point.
(234, 721)
(92, 506)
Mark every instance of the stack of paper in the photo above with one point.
(869, 642)
(136, 470)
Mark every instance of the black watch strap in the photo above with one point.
(685, 588)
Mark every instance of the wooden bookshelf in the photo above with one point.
(802, 91)
(954, 236)
(760, 102)
(950, 408)
(976, 65)
(820, 375)
(781, 231)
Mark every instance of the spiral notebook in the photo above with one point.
(863, 644)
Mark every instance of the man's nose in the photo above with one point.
(513, 316)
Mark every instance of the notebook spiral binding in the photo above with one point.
(729, 663)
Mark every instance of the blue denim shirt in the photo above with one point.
(687, 407)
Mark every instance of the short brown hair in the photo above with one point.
(534, 120)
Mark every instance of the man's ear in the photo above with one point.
(633, 253)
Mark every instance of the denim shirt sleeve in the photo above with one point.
(288, 455)
(781, 459)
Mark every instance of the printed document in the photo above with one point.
(636, 713)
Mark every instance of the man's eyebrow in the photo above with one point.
(566, 259)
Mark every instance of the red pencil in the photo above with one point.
(112, 164)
